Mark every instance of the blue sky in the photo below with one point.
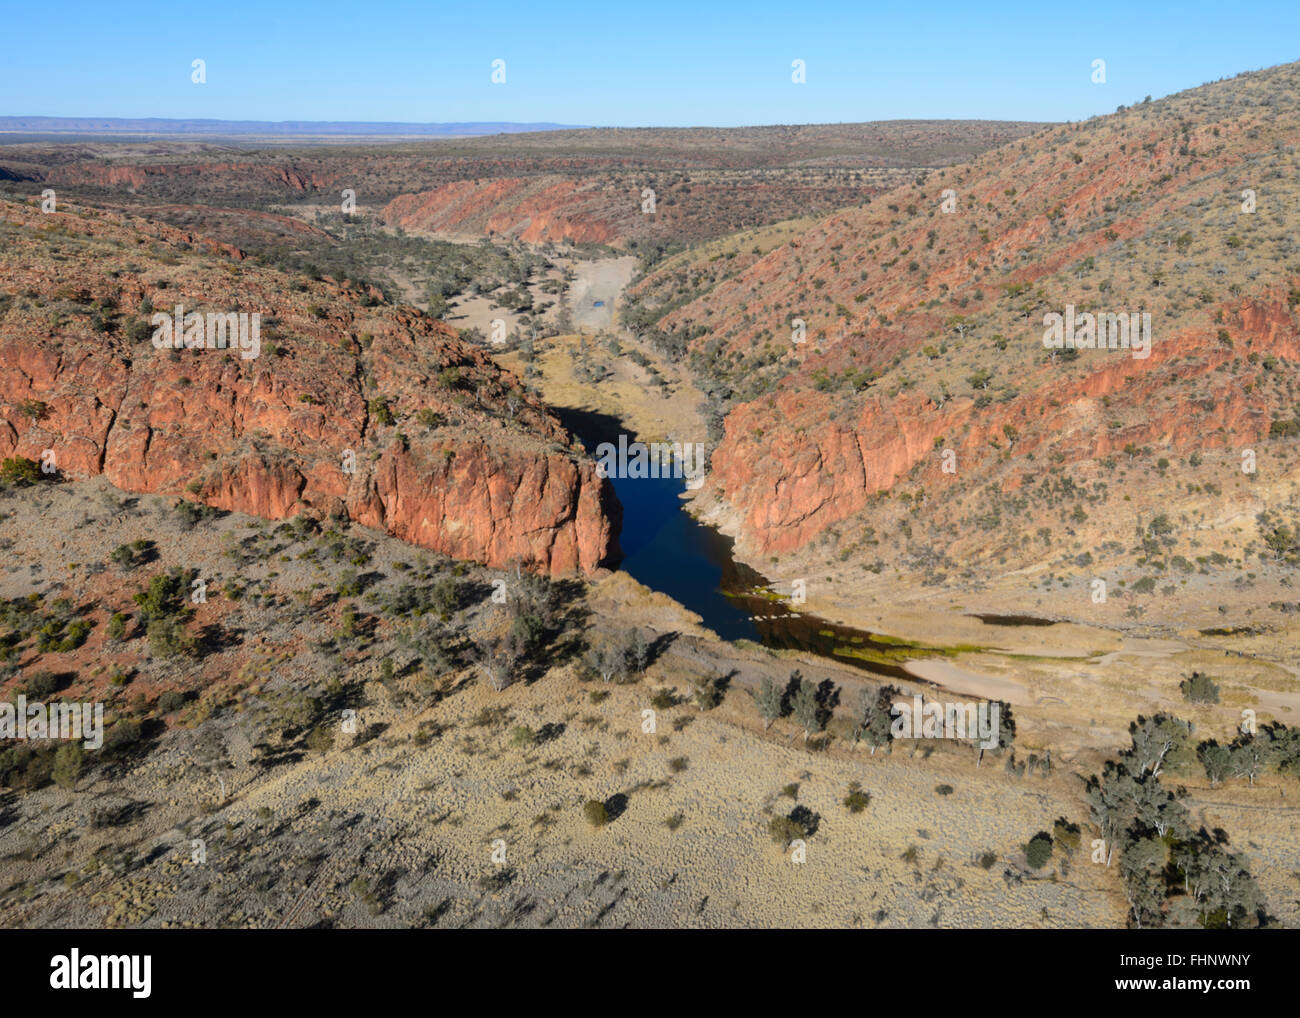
(669, 62)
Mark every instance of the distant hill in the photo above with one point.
(263, 128)
(583, 185)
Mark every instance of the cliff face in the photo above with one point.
(792, 474)
(923, 315)
(534, 209)
(139, 177)
(377, 413)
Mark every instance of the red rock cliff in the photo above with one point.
(378, 413)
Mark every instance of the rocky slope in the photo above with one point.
(534, 210)
(616, 209)
(923, 317)
(350, 406)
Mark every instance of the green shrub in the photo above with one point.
(171, 701)
(68, 760)
(165, 596)
(379, 411)
(19, 470)
(117, 626)
(1039, 850)
(59, 636)
(122, 736)
(168, 638)
(783, 830)
(1200, 688)
(522, 735)
(41, 685)
(857, 800)
(1067, 835)
(321, 738)
(33, 409)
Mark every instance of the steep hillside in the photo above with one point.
(633, 210)
(534, 209)
(923, 335)
(344, 406)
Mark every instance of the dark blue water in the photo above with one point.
(665, 548)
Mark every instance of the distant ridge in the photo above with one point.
(279, 128)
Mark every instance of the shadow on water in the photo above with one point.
(1011, 620)
(668, 550)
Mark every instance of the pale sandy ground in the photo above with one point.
(602, 281)
(626, 395)
(424, 813)
(718, 868)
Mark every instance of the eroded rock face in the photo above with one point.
(792, 473)
(532, 209)
(377, 413)
(138, 177)
(921, 323)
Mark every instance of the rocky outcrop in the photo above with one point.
(793, 474)
(921, 317)
(138, 177)
(532, 209)
(377, 413)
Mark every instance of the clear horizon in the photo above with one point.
(587, 65)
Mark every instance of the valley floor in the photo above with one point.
(399, 823)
